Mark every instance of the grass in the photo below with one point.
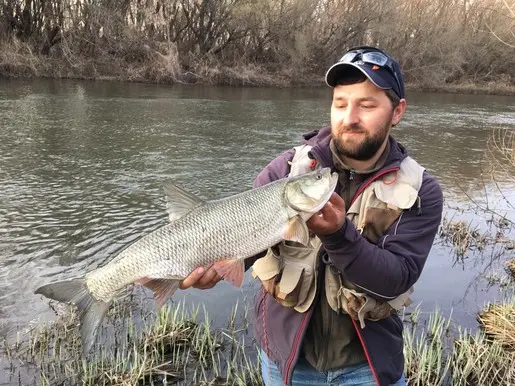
(510, 265)
(463, 237)
(476, 360)
(466, 87)
(424, 350)
(436, 356)
(498, 323)
(179, 344)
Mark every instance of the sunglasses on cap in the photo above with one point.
(371, 57)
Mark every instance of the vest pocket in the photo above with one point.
(377, 221)
(288, 273)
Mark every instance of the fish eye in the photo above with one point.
(318, 177)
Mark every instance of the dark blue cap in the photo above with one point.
(385, 76)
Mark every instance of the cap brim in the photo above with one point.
(337, 71)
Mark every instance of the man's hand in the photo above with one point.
(201, 278)
(330, 219)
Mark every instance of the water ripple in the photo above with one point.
(82, 169)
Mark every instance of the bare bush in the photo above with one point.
(437, 41)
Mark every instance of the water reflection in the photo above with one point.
(82, 166)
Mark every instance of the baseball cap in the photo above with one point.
(379, 67)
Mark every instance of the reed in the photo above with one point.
(498, 323)
(510, 265)
(179, 344)
(176, 346)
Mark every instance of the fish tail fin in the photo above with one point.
(91, 310)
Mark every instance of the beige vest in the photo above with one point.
(289, 270)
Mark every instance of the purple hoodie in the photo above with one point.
(383, 270)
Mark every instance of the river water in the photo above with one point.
(83, 164)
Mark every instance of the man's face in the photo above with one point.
(361, 119)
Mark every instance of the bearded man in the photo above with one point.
(326, 313)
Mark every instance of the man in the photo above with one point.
(339, 326)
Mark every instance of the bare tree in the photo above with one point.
(437, 41)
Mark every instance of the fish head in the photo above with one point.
(308, 193)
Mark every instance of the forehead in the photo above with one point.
(361, 90)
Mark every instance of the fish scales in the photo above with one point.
(176, 249)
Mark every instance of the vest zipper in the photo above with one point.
(352, 172)
(356, 327)
(326, 326)
(288, 370)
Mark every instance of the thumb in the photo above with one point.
(338, 202)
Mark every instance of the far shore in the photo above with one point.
(239, 77)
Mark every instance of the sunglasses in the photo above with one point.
(373, 58)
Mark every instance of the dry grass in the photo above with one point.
(511, 268)
(498, 323)
(157, 63)
(478, 361)
(175, 346)
(178, 345)
(500, 87)
(501, 149)
(435, 357)
(18, 60)
(462, 236)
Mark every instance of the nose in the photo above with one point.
(351, 116)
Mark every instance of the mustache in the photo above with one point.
(351, 128)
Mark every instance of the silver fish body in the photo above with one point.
(219, 233)
(234, 228)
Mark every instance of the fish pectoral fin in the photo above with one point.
(296, 230)
(162, 288)
(179, 202)
(232, 270)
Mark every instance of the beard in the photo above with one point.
(366, 149)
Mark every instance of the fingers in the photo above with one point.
(337, 201)
(330, 218)
(201, 279)
(208, 280)
(192, 278)
(329, 213)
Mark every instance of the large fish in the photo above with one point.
(219, 233)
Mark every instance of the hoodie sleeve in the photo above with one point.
(389, 268)
(275, 170)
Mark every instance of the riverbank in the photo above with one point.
(19, 62)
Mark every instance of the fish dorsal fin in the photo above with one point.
(179, 202)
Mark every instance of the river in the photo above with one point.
(83, 165)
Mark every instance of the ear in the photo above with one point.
(398, 112)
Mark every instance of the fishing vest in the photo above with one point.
(289, 270)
